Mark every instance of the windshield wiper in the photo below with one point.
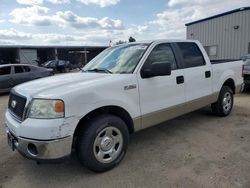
(100, 70)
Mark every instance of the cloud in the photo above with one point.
(80, 37)
(12, 34)
(101, 3)
(68, 18)
(7, 42)
(59, 1)
(31, 16)
(38, 16)
(53, 38)
(133, 30)
(40, 2)
(30, 2)
(171, 22)
(2, 21)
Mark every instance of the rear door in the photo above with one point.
(161, 97)
(5, 78)
(197, 75)
(22, 74)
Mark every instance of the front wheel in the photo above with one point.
(102, 144)
(225, 101)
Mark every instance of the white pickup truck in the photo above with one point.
(124, 89)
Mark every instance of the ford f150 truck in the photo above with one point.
(124, 89)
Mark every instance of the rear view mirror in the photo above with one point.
(156, 69)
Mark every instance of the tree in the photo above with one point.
(131, 39)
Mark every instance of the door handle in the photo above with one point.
(208, 74)
(180, 79)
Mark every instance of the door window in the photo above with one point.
(19, 69)
(191, 54)
(26, 69)
(162, 53)
(5, 70)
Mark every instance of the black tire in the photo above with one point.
(218, 108)
(87, 139)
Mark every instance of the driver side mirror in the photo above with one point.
(156, 69)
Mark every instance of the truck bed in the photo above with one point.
(222, 69)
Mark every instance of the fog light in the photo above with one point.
(32, 149)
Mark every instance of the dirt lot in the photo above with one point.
(195, 150)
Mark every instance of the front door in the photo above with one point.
(161, 97)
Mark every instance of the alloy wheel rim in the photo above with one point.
(108, 144)
(227, 102)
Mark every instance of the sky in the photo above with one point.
(96, 22)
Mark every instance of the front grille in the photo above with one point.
(17, 105)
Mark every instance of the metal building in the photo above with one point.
(224, 36)
(30, 54)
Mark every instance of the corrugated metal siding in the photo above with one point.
(232, 43)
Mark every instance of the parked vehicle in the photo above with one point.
(246, 69)
(14, 74)
(58, 65)
(124, 89)
(245, 57)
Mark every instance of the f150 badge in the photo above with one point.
(133, 86)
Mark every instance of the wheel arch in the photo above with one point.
(114, 110)
(230, 83)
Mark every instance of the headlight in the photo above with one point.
(46, 109)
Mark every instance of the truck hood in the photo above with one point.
(50, 86)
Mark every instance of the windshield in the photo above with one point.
(118, 59)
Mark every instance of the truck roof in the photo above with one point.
(159, 40)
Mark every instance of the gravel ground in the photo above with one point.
(194, 150)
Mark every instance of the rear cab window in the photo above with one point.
(191, 54)
(5, 70)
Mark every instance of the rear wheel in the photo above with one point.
(103, 143)
(224, 104)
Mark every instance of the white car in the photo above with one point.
(124, 89)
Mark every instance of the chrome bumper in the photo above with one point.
(39, 149)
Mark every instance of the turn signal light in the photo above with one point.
(59, 106)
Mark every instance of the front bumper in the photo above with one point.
(40, 139)
(40, 149)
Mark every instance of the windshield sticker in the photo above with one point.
(138, 47)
